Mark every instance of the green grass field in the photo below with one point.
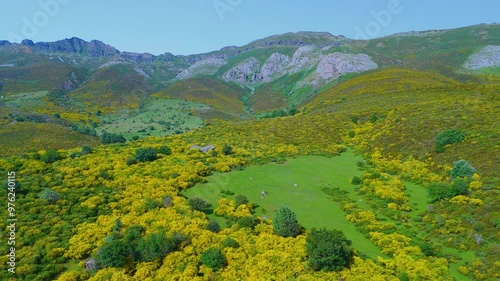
(306, 199)
(166, 116)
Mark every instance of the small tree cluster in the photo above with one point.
(441, 190)
(285, 223)
(328, 249)
(112, 138)
(213, 258)
(117, 251)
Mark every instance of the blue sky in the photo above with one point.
(197, 26)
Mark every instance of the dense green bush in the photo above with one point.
(248, 222)
(50, 156)
(213, 226)
(84, 130)
(230, 243)
(86, 150)
(441, 190)
(131, 161)
(448, 137)
(49, 195)
(227, 149)
(328, 250)
(114, 253)
(165, 150)
(240, 199)
(146, 154)
(285, 223)
(112, 138)
(213, 258)
(462, 168)
(198, 203)
(156, 245)
(356, 180)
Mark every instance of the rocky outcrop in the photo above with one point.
(207, 66)
(93, 48)
(203, 149)
(5, 43)
(247, 71)
(488, 56)
(274, 64)
(336, 64)
(138, 57)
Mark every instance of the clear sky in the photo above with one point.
(197, 26)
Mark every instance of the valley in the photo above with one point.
(388, 149)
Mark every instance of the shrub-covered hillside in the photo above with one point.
(426, 198)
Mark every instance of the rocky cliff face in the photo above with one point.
(336, 64)
(488, 56)
(274, 64)
(138, 58)
(93, 48)
(328, 66)
(247, 71)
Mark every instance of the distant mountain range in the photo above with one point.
(280, 71)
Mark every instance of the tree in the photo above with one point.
(49, 195)
(328, 249)
(165, 150)
(227, 149)
(86, 150)
(213, 258)
(112, 138)
(50, 156)
(213, 226)
(230, 243)
(198, 203)
(285, 223)
(462, 168)
(356, 180)
(248, 221)
(145, 154)
(114, 253)
(240, 199)
(156, 245)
